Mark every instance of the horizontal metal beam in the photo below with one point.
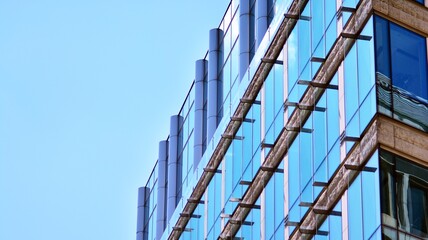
(272, 61)
(317, 84)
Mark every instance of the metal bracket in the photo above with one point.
(273, 61)
(317, 84)
(239, 119)
(267, 145)
(317, 59)
(246, 183)
(297, 17)
(247, 223)
(250, 101)
(360, 168)
(299, 129)
(320, 184)
(304, 107)
(197, 201)
(246, 205)
(355, 36)
(211, 170)
(230, 136)
(305, 204)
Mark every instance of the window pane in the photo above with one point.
(409, 63)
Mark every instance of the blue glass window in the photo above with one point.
(401, 73)
(409, 61)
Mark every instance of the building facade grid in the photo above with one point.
(306, 119)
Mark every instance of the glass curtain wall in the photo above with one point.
(185, 136)
(151, 201)
(230, 45)
(359, 81)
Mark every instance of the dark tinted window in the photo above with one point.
(409, 61)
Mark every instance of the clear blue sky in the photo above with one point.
(86, 91)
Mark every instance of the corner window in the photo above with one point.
(401, 73)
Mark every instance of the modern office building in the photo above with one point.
(306, 119)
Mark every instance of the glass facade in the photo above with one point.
(151, 201)
(316, 96)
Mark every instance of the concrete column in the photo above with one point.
(143, 213)
(162, 188)
(174, 165)
(200, 112)
(262, 19)
(244, 37)
(215, 84)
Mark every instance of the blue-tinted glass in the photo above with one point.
(330, 18)
(350, 3)
(407, 56)
(226, 81)
(237, 159)
(269, 104)
(320, 176)
(292, 61)
(248, 143)
(336, 223)
(315, 65)
(352, 130)
(330, 12)
(382, 47)
(235, 58)
(211, 203)
(371, 198)
(367, 109)
(304, 42)
(229, 174)
(227, 41)
(279, 98)
(307, 193)
(332, 116)
(305, 158)
(345, 18)
(217, 227)
(246, 231)
(270, 210)
(319, 134)
(293, 171)
(317, 21)
(256, 227)
(354, 210)
(377, 235)
(279, 198)
(252, 29)
(333, 159)
(409, 61)
(279, 233)
(256, 160)
(324, 228)
(256, 126)
(351, 84)
(366, 70)
(217, 190)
